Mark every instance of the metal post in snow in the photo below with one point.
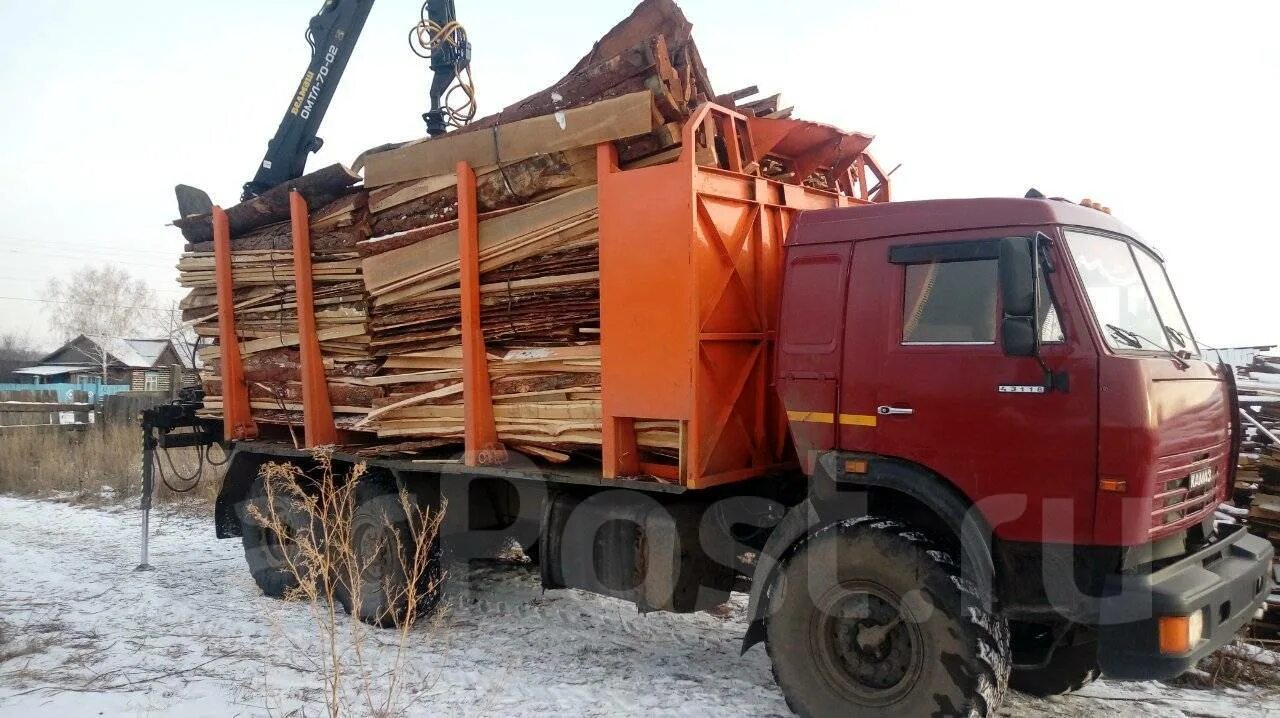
(148, 488)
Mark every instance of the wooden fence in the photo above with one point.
(41, 410)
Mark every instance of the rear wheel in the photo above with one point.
(271, 547)
(868, 618)
(384, 550)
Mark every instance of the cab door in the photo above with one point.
(924, 369)
(809, 343)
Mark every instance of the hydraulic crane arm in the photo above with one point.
(449, 59)
(332, 34)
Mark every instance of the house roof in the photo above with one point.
(126, 353)
(52, 369)
(133, 353)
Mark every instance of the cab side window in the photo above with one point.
(951, 302)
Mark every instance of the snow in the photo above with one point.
(194, 637)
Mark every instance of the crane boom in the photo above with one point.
(332, 34)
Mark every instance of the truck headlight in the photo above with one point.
(1179, 634)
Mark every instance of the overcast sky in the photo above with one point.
(1164, 111)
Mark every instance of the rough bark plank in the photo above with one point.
(594, 75)
(513, 185)
(280, 236)
(277, 365)
(291, 391)
(397, 267)
(319, 188)
(379, 245)
(284, 340)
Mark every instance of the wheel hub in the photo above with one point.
(868, 644)
(370, 553)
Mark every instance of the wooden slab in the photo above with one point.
(614, 119)
(391, 268)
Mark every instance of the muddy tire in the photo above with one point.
(274, 559)
(869, 618)
(1070, 669)
(383, 545)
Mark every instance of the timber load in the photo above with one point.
(388, 267)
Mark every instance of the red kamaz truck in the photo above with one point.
(945, 445)
(938, 442)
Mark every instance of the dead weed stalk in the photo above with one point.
(1244, 662)
(356, 542)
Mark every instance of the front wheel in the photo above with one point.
(870, 619)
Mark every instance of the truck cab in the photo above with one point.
(1029, 360)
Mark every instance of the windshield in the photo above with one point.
(1130, 293)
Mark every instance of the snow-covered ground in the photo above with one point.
(81, 634)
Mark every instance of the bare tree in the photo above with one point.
(103, 303)
(16, 351)
(168, 323)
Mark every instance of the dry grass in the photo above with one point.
(1242, 663)
(12, 647)
(376, 555)
(1245, 662)
(102, 464)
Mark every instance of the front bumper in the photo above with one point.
(1228, 581)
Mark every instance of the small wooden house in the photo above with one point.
(140, 364)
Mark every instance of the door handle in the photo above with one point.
(894, 411)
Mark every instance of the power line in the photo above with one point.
(59, 255)
(72, 244)
(84, 304)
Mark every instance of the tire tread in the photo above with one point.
(989, 634)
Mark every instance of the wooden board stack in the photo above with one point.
(538, 245)
(386, 264)
(266, 324)
(1264, 520)
(266, 300)
(1257, 489)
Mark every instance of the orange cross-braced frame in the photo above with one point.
(690, 264)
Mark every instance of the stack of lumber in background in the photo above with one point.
(1257, 488)
(387, 266)
(1264, 520)
(1263, 467)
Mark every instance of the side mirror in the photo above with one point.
(1018, 294)
(1018, 277)
(1018, 337)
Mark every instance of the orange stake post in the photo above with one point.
(480, 432)
(317, 411)
(237, 419)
